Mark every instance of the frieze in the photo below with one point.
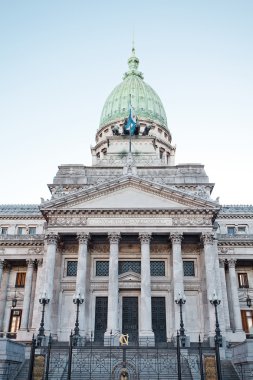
(123, 221)
(190, 250)
(191, 221)
(160, 249)
(70, 249)
(68, 221)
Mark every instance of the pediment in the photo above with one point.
(130, 276)
(128, 193)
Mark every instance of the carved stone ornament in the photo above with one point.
(100, 248)
(208, 238)
(51, 238)
(83, 238)
(2, 250)
(36, 250)
(30, 263)
(145, 238)
(68, 220)
(222, 262)
(39, 262)
(176, 237)
(231, 263)
(160, 249)
(114, 237)
(191, 221)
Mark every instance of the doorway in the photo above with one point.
(130, 324)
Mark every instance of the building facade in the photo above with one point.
(130, 234)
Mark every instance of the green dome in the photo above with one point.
(144, 99)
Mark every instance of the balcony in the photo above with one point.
(22, 239)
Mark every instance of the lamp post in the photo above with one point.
(14, 301)
(180, 300)
(78, 300)
(43, 300)
(218, 337)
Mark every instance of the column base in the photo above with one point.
(147, 338)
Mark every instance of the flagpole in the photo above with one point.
(130, 140)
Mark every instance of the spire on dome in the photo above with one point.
(133, 64)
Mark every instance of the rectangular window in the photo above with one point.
(243, 280)
(157, 268)
(32, 230)
(231, 231)
(242, 229)
(102, 268)
(71, 268)
(189, 269)
(20, 280)
(14, 324)
(21, 230)
(4, 230)
(247, 321)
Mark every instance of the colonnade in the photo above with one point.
(214, 281)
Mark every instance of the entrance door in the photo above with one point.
(130, 318)
(100, 318)
(159, 319)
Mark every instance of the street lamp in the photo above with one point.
(43, 300)
(14, 300)
(78, 300)
(180, 300)
(218, 337)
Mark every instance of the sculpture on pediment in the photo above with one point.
(146, 130)
(115, 130)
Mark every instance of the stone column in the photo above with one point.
(113, 288)
(38, 288)
(81, 279)
(3, 294)
(146, 331)
(211, 286)
(1, 270)
(234, 296)
(224, 294)
(27, 294)
(177, 275)
(49, 279)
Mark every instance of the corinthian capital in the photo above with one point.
(83, 238)
(222, 262)
(176, 237)
(52, 238)
(144, 237)
(30, 263)
(207, 238)
(114, 237)
(231, 263)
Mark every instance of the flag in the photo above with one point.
(131, 121)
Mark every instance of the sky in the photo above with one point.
(60, 59)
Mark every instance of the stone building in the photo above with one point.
(131, 233)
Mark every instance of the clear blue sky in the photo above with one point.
(59, 60)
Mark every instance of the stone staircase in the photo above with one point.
(228, 371)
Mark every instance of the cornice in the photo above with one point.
(163, 191)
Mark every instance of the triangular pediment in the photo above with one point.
(128, 193)
(129, 276)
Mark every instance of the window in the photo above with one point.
(243, 280)
(21, 230)
(247, 320)
(161, 151)
(104, 151)
(102, 268)
(241, 229)
(231, 231)
(4, 230)
(129, 266)
(20, 280)
(32, 230)
(157, 268)
(188, 267)
(71, 268)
